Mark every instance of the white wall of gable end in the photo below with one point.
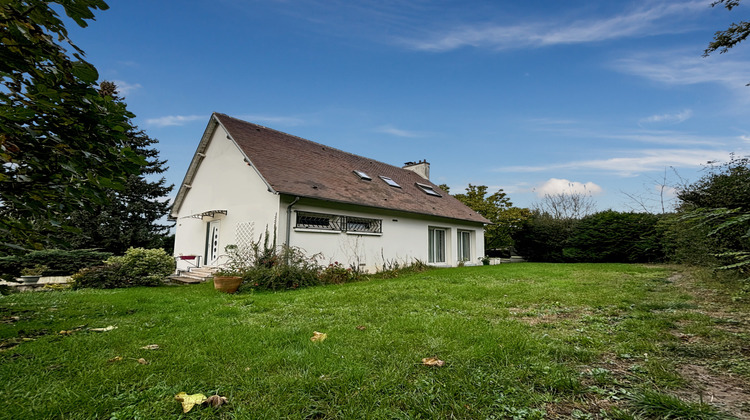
(223, 181)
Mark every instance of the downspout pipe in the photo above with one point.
(289, 220)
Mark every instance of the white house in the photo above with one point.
(245, 178)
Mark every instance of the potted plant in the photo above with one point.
(32, 274)
(485, 260)
(229, 278)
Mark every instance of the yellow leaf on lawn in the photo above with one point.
(142, 361)
(151, 347)
(318, 336)
(188, 401)
(432, 361)
(115, 359)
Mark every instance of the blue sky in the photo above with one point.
(532, 97)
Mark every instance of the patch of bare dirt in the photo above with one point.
(536, 316)
(729, 394)
(567, 410)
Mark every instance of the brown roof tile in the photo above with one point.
(299, 167)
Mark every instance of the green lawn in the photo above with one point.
(518, 341)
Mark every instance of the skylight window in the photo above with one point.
(428, 189)
(363, 175)
(389, 181)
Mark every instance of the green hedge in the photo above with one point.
(59, 262)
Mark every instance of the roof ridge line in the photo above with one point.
(318, 143)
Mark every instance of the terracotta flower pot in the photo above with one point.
(227, 284)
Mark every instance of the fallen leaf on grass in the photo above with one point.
(432, 361)
(151, 347)
(115, 359)
(361, 327)
(188, 401)
(143, 361)
(318, 336)
(71, 331)
(215, 401)
(105, 329)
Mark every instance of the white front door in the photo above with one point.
(212, 242)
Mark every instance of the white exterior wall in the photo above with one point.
(404, 238)
(223, 181)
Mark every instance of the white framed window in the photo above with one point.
(464, 245)
(436, 251)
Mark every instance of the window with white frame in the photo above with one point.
(464, 245)
(436, 245)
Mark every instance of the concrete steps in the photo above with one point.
(194, 275)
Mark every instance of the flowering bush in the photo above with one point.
(336, 273)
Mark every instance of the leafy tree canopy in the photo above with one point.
(497, 208)
(133, 216)
(63, 146)
(725, 185)
(728, 38)
(720, 202)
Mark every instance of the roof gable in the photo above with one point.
(295, 166)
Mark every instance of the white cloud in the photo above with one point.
(175, 120)
(745, 138)
(669, 118)
(578, 130)
(273, 119)
(640, 161)
(640, 22)
(555, 186)
(686, 68)
(389, 129)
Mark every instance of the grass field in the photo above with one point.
(522, 341)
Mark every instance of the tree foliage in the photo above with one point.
(728, 38)
(566, 205)
(719, 205)
(498, 209)
(63, 146)
(131, 217)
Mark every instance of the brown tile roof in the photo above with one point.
(299, 167)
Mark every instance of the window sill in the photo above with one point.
(439, 264)
(317, 230)
(364, 233)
